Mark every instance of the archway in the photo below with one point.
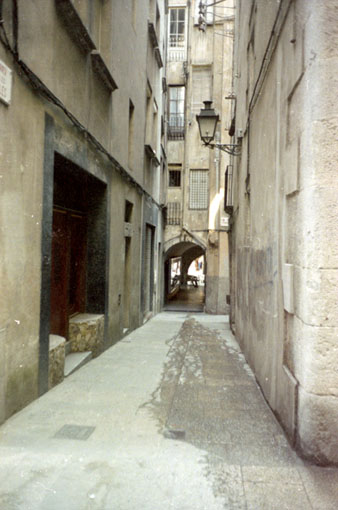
(184, 289)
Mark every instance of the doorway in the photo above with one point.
(68, 276)
(79, 230)
(149, 268)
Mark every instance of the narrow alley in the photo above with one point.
(170, 417)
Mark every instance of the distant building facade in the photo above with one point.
(198, 69)
(82, 155)
(284, 250)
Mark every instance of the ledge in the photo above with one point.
(158, 57)
(102, 70)
(151, 154)
(152, 34)
(74, 25)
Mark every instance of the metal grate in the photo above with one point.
(199, 187)
(173, 213)
(74, 432)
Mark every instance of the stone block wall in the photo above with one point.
(86, 333)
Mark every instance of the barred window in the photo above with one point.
(173, 213)
(174, 178)
(198, 196)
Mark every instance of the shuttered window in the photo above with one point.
(198, 195)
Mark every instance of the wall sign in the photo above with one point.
(5, 83)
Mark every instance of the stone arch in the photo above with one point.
(185, 247)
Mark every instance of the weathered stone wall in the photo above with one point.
(284, 249)
(75, 114)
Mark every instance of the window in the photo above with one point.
(176, 113)
(128, 211)
(174, 178)
(173, 213)
(198, 196)
(176, 28)
(131, 134)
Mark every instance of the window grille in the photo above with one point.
(174, 178)
(173, 213)
(199, 187)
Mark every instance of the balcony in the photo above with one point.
(157, 54)
(74, 25)
(176, 127)
(152, 34)
(177, 48)
(102, 71)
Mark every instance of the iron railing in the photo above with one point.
(176, 127)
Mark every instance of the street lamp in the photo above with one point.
(207, 122)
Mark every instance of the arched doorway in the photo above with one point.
(184, 270)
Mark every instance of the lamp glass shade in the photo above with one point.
(207, 122)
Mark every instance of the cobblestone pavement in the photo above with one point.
(169, 418)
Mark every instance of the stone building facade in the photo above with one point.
(284, 307)
(82, 157)
(198, 69)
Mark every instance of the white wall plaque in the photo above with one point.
(5, 83)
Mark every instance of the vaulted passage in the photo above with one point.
(184, 270)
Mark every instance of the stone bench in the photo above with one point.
(86, 332)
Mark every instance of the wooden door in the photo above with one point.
(59, 275)
(68, 275)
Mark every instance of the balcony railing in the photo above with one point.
(176, 48)
(176, 127)
(176, 41)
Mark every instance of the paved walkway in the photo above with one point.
(169, 418)
(190, 300)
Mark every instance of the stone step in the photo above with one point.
(76, 360)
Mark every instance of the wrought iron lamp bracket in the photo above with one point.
(230, 148)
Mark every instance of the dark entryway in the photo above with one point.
(78, 271)
(148, 287)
